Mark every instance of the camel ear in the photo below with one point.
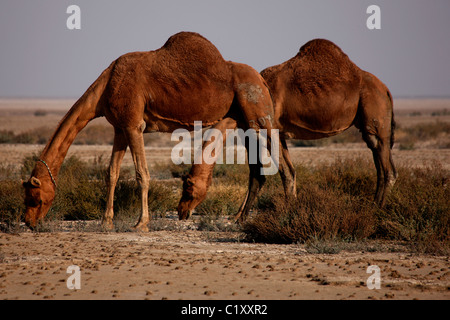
(35, 182)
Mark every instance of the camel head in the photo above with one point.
(194, 192)
(39, 196)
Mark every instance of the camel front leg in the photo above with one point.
(135, 139)
(119, 149)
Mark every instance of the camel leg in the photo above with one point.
(386, 173)
(378, 137)
(119, 149)
(380, 175)
(256, 182)
(257, 108)
(375, 119)
(135, 139)
(287, 171)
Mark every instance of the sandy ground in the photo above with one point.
(189, 264)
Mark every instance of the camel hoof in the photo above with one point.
(141, 227)
(237, 219)
(107, 225)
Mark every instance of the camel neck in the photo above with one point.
(203, 170)
(73, 122)
(84, 110)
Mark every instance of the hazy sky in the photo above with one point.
(41, 57)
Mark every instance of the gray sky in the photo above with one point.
(40, 57)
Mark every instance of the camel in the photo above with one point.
(318, 93)
(185, 80)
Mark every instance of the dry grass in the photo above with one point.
(333, 203)
(222, 200)
(435, 134)
(81, 193)
(327, 206)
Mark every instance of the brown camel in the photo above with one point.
(318, 93)
(186, 80)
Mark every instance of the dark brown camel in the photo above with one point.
(318, 93)
(186, 80)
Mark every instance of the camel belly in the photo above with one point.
(180, 107)
(319, 118)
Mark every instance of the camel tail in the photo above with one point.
(393, 124)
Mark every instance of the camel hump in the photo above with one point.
(192, 44)
(323, 52)
(320, 47)
(321, 63)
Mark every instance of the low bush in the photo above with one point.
(334, 202)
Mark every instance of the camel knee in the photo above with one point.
(371, 141)
(143, 179)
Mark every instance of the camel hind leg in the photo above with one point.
(376, 122)
(256, 182)
(255, 103)
(386, 173)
